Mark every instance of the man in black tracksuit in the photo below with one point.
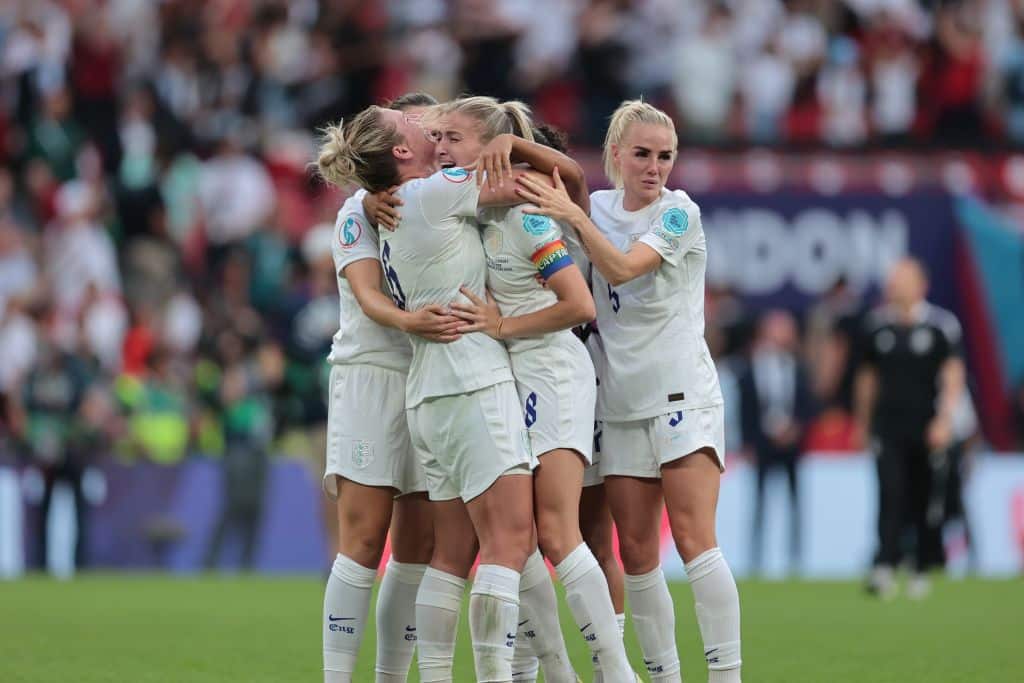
(908, 386)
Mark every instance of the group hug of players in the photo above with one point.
(469, 417)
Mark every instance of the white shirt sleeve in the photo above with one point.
(354, 239)
(539, 239)
(451, 192)
(674, 229)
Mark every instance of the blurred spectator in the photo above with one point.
(79, 252)
(833, 330)
(952, 76)
(767, 85)
(893, 71)
(601, 56)
(707, 58)
(157, 406)
(48, 420)
(842, 93)
(55, 136)
(488, 32)
(776, 405)
(248, 378)
(235, 194)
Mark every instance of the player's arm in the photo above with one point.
(865, 392)
(616, 267)
(432, 322)
(575, 306)
(952, 382)
(495, 166)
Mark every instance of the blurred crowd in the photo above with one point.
(166, 284)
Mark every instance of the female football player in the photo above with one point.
(659, 398)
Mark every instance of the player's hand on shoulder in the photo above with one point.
(551, 200)
(381, 208)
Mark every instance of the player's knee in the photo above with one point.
(364, 545)
(508, 546)
(639, 552)
(362, 536)
(692, 538)
(555, 536)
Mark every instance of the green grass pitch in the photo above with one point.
(148, 628)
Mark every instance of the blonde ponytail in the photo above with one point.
(519, 115)
(628, 113)
(360, 152)
(494, 117)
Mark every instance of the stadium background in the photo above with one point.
(158, 222)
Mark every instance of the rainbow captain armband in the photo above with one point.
(551, 258)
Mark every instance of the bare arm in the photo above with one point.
(575, 306)
(502, 152)
(432, 322)
(952, 381)
(616, 267)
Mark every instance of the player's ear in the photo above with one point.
(401, 151)
(615, 153)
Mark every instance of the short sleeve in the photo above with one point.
(674, 229)
(451, 192)
(951, 331)
(354, 239)
(539, 238)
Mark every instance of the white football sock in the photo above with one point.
(620, 620)
(396, 620)
(586, 591)
(525, 666)
(493, 610)
(438, 603)
(655, 622)
(538, 621)
(346, 604)
(718, 614)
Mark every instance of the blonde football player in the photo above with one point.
(659, 397)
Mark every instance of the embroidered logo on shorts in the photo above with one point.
(675, 221)
(362, 454)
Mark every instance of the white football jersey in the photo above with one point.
(435, 250)
(519, 247)
(360, 340)
(652, 328)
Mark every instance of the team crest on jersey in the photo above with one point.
(921, 341)
(455, 175)
(675, 221)
(351, 231)
(536, 224)
(493, 241)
